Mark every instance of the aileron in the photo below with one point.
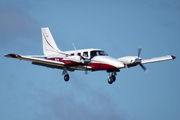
(158, 59)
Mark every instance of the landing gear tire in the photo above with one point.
(111, 79)
(66, 77)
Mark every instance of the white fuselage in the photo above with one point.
(99, 60)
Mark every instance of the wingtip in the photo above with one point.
(173, 57)
(12, 55)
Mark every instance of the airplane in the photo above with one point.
(85, 59)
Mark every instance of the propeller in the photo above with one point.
(138, 60)
(139, 51)
(85, 60)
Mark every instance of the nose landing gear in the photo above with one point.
(66, 77)
(112, 78)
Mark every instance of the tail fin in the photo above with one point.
(49, 45)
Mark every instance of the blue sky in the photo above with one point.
(118, 27)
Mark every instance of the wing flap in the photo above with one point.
(47, 65)
(158, 59)
(38, 61)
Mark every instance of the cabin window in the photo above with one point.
(85, 54)
(79, 54)
(72, 54)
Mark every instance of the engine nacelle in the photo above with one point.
(128, 59)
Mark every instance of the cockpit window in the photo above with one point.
(98, 53)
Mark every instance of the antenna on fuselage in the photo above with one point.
(75, 49)
(85, 60)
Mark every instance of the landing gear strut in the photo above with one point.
(112, 78)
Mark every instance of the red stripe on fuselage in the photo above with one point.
(94, 66)
(101, 66)
(66, 62)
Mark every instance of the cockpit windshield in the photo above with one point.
(98, 53)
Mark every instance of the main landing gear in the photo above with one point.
(65, 73)
(112, 78)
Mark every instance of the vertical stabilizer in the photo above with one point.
(49, 45)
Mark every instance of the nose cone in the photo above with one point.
(109, 61)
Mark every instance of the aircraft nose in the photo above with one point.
(109, 62)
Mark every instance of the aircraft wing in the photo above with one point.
(38, 61)
(158, 59)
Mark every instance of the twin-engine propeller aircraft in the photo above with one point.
(86, 59)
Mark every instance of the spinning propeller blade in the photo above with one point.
(139, 51)
(142, 66)
(85, 60)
